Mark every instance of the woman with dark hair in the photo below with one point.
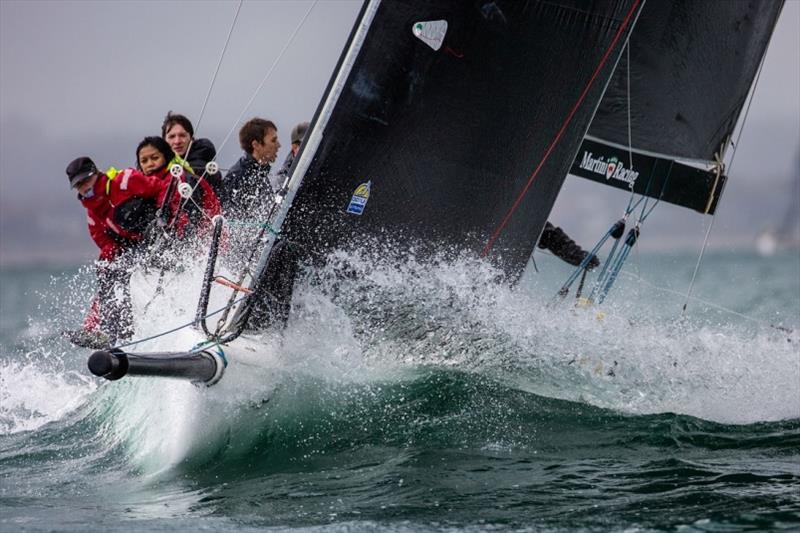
(178, 131)
(154, 157)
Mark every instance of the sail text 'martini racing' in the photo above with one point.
(611, 169)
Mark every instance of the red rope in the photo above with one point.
(561, 131)
(232, 285)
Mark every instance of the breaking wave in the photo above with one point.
(380, 351)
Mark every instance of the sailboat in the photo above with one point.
(786, 235)
(448, 128)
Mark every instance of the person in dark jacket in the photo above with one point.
(554, 239)
(248, 195)
(120, 206)
(246, 189)
(178, 131)
(298, 133)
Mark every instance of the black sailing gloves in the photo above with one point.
(558, 242)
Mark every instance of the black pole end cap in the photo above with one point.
(111, 365)
(101, 363)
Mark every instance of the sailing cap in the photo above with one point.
(80, 169)
(298, 132)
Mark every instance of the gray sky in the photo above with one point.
(93, 78)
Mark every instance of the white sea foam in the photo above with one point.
(31, 397)
(387, 319)
(627, 357)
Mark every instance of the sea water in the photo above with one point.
(412, 397)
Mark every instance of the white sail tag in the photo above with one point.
(359, 199)
(430, 32)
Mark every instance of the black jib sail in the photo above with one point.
(452, 125)
(692, 63)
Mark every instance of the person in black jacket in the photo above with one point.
(247, 196)
(246, 191)
(178, 131)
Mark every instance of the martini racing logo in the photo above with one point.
(611, 169)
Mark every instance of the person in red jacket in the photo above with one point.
(155, 158)
(120, 206)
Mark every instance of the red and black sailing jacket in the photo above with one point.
(200, 209)
(122, 206)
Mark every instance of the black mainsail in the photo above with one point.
(452, 125)
(692, 63)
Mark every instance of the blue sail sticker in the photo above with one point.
(359, 199)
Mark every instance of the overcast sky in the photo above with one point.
(93, 78)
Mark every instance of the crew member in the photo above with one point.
(120, 206)
(247, 192)
(298, 133)
(154, 157)
(178, 131)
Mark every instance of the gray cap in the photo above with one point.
(298, 132)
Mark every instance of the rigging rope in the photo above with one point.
(616, 231)
(255, 93)
(630, 134)
(214, 79)
(561, 130)
(173, 330)
(616, 258)
(269, 72)
(265, 228)
(719, 170)
(630, 242)
(219, 64)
